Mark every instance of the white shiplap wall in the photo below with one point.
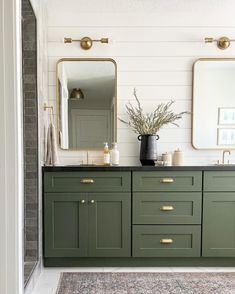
(154, 44)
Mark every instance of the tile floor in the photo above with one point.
(48, 281)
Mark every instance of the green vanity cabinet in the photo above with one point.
(139, 216)
(87, 224)
(89, 221)
(218, 239)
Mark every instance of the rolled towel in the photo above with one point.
(51, 155)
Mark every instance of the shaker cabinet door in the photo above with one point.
(218, 225)
(65, 225)
(109, 224)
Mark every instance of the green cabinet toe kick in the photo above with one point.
(139, 262)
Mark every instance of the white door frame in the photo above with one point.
(11, 151)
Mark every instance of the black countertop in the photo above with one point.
(138, 168)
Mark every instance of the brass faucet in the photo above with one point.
(224, 152)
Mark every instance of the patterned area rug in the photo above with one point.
(147, 283)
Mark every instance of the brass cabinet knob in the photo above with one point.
(167, 208)
(83, 201)
(92, 201)
(166, 241)
(167, 180)
(87, 181)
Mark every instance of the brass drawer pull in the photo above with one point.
(167, 180)
(83, 201)
(167, 208)
(87, 181)
(166, 241)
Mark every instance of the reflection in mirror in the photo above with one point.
(86, 101)
(214, 104)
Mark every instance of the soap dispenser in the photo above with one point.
(106, 154)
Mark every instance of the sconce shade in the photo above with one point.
(76, 94)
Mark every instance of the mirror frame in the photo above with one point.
(193, 100)
(57, 100)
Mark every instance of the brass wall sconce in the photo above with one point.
(222, 43)
(86, 42)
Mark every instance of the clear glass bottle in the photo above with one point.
(106, 154)
(115, 155)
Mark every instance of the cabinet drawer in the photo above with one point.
(219, 181)
(87, 181)
(166, 241)
(167, 181)
(167, 208)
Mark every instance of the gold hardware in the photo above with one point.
(167, 180)
(87, 181)
(83, 201)
(86, 42)
(222, 43)
(167, 208)
(92, 201)
(209, 40)
(166, 241)
(68, 40)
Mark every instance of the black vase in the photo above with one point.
(148, 149)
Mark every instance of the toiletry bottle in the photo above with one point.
(106, 154)
(178, 157)
(115, 155)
